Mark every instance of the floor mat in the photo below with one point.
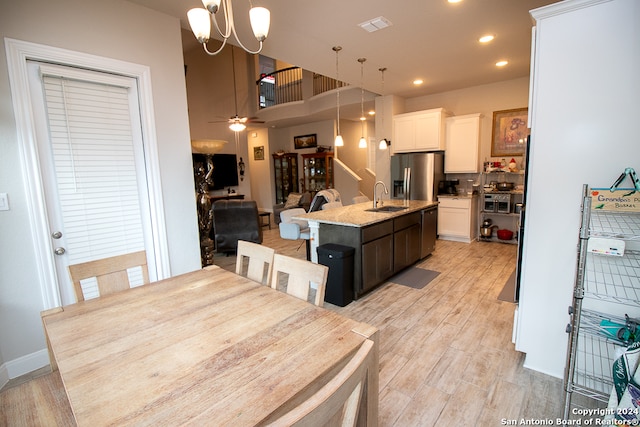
(414, 277)
(508, 292)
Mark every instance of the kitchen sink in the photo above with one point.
(387, 209)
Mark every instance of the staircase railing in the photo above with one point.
(283, 86)
(280, 87)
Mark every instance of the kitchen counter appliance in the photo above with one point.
(497, 202)
(449, 186)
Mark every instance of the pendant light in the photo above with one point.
(338, 142)
(384, 142)
(363, 141)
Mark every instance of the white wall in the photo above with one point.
(114, 29)
(584, 131)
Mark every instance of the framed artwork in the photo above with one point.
(258, 153)
(509, 133)
(305, 141)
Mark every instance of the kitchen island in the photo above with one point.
(387, 240)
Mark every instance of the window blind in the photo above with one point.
(95, 166)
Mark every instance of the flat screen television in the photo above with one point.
(225, 170)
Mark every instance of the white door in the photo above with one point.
(91, 159)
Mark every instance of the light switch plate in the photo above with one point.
(4, 202)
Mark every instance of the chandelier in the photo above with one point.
(200, 21)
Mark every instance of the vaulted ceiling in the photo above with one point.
(433, 40)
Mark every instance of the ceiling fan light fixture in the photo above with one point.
(237, 126)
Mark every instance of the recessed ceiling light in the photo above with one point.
(501, 63)
(486, 39)
(418, 82)
(454, 1)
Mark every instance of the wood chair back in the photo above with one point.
(301, 274)
(111, 273)
(259, 258)
(41, 401)
(341, 401)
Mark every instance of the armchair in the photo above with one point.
(294, 229)
(294, 200)
(235, 220)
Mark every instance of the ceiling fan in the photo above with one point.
(237, 123)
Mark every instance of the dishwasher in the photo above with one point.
(429, 233)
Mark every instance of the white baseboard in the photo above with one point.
(4, 375)
(23, 365)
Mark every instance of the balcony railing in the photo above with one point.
(283, 86)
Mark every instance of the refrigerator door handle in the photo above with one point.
(407, 183)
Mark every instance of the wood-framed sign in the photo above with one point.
(509, 132)
(258, 153)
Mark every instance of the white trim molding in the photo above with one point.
(18, 53)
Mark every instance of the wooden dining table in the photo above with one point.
(208, 347)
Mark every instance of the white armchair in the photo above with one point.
(294, 229)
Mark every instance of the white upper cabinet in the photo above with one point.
(462, 151)
(419, 131)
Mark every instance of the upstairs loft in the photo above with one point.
(291, 96)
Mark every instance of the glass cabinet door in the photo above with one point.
(285, 168)
(318, 171)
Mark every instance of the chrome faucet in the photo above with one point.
(375, 199)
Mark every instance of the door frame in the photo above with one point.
(18, 52)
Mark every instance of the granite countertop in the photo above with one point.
(358, 216)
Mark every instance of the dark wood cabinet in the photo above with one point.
(382, 249)
(406, 241)
(285, 168)
(377, 261)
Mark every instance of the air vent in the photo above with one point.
(375, 24)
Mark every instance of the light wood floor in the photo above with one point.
(446, 356)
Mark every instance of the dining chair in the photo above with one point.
(298, 277)
(258, 259)
(342, 401)
(52, 361)
(110, 273)
(41, 401)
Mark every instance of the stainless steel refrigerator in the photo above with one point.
(427, 170)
